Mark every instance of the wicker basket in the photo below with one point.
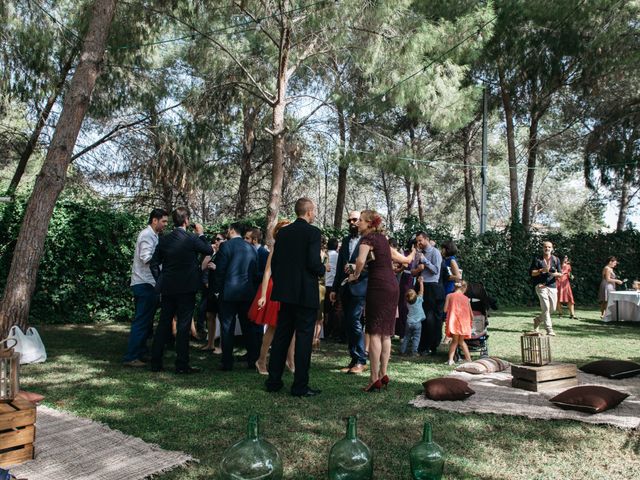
(536, 349)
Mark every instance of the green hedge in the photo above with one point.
(501, 260)
(84, 275)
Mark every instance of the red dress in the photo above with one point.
(459, 315)
(565, 295)
(267, 315)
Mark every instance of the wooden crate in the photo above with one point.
(17, 432)
(545, 377)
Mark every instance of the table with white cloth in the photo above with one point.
(623, 305)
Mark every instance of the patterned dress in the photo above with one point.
(382, 287)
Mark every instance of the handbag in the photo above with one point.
(28, 344)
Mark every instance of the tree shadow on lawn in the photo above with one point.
(204, 414)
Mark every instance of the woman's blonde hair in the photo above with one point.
(461, 285)
(374, 219)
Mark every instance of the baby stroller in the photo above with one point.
(481, 303)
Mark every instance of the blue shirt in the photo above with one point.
(431, 259)
(415, 313)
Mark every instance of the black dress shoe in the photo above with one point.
(188, 370)
(309, 393)
(225, 368)
(157, 369)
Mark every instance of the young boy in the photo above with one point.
(414, 320)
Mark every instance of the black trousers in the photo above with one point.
(251, 331)
(301, 320)
(433, 306)
(180, 306)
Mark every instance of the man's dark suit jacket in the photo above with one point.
(263, 255)
(236, 271)
(177, 252)
(296, 265)
(343, 259)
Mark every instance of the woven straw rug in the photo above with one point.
(69, 448)
(494, 394)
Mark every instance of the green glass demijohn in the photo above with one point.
(350, 458)
(252, 458)
(426, 457)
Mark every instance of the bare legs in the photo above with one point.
(603, 308)
(261, 363)
(211, 328)
(375, 354)
(385, 355)
(316, 333)
(458, 340)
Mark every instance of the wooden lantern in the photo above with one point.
(536, 349)
(9, 371)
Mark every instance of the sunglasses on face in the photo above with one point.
(218, 239)
(352, 220)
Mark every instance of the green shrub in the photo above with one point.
(85, 269)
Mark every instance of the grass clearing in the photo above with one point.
(204, 414)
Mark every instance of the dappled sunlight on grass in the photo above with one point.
(204, 414)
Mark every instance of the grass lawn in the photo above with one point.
(204, 414)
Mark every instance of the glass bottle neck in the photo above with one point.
(252, 427)
(351, 428)
(427, 434)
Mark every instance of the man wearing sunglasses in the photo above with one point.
(352, 296)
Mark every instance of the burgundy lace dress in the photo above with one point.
(382, 288)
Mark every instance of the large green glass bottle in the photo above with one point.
(350, 458)
(426, 457)
(252, 458)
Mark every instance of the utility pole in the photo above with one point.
(483, 172)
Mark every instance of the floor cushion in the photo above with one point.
(447, 388)
(589, 398)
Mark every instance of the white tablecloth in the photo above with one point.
(623, 305)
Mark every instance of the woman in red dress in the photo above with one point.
(382, 293)
(565, 295)
(264, 311)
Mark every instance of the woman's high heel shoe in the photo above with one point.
(373, 387)
(385, 381)
(261, 371)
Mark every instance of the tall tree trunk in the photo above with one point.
(417, 188)
(42, 120)
(411, 194)
(386, 189)
(343, 166)
(468, 178)
(278, 131)
(21, 281)
(623, 205)
(532, 147)
(249, 115)
(511, 145)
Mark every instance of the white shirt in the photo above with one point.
(330, 276)
(352, 245)
(145, 246)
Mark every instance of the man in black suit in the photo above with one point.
(178, 282)
(237, 282)
(352, 297)
(253, 237)
(295, 269)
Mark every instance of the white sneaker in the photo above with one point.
(551, 333)
(450, 362)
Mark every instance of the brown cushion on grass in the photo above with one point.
(447, 388)
(589, 398)
(612, 368)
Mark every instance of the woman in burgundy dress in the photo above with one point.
(382, 293)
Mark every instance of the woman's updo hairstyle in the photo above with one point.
(374, 219)
(279, 225)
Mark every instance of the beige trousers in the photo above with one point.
(548, 302)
